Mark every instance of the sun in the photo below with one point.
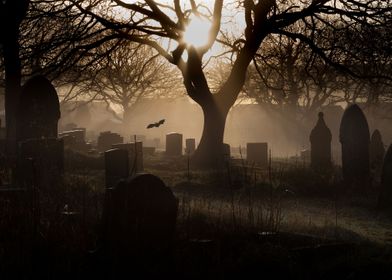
(197, 32)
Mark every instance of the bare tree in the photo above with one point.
(12, 12)
(128, 74)
(162, 25)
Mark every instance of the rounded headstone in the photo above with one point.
(140, 220)
(39, 109)
(116, 166)
(320, 141)
(354, 137)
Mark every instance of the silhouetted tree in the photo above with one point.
(127, 75)
(12, 12)
(157, 22)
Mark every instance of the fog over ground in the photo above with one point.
(245, 123)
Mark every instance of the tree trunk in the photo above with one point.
(12, 66)
(209, 153)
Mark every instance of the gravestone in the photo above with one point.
(139, 224)
(135, 153)
(377, 151)
(106, 139)
(257, 153)
(190, 146)
(354, 137)
(46, 157)
(320, 143)
(116, 166)
(385, 198)
(174, 144)
(75, 139)
(39, 110)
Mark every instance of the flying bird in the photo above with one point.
(156, 124)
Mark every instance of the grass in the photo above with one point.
(231, 223)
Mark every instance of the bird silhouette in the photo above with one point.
(156, 124)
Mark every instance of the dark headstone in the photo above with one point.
(174, 144)
(377, 150)
(257, 153)
(320, 142)
(135, 153)
(116, 166)
(41, 162)
(385, 198)
(39, 109)
(190, 146)
(140, 218)
(106, 139)
(355, 137)
(75, 139)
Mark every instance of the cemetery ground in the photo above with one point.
(279, 221)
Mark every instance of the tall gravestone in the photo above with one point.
(116, 166)
(38, 115)
(39, 110)
(174, 144)
(190, 146)
(354, 137)
(320, 143)
(377, 151)
(46, 157)
(257, 153)
(135, 154)
(385, 198)
(139, 224)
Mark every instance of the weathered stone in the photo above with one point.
(140, 218)
(355, 137)
(174, 144)
(320, 141)
(135, 153)
(75, 139)
(116, 166)
(39, 109)
(190, 146)
(106, 139)
(257, 153)
(46, 157)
